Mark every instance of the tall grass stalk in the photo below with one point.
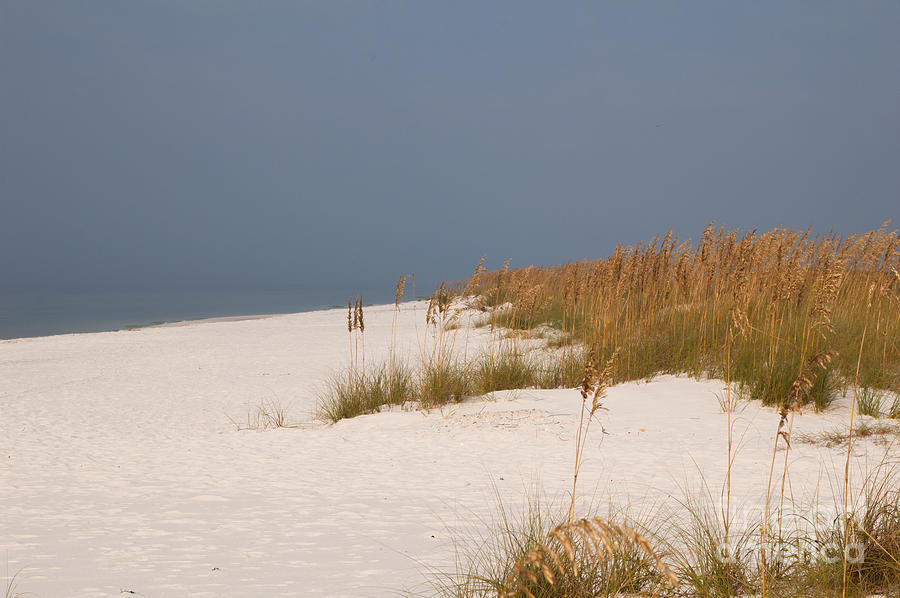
(846, 489)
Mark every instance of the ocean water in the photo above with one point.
(43, 313)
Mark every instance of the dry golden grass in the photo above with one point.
(555, 560)
(749, 307)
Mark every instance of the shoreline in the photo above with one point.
(39, 313)
(178, 323)
(167, 324)
(212, 320)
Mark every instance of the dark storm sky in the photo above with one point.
(200, 144)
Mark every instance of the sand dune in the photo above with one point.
(121, 469)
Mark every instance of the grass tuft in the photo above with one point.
(868, 402)
(537, 553)
(510, 368)
(894, 411)
(268, 415)
(881, 432)
(445, 381)
(352, 392)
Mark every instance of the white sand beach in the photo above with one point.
(122, 470)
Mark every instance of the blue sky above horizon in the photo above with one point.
(203, 144)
